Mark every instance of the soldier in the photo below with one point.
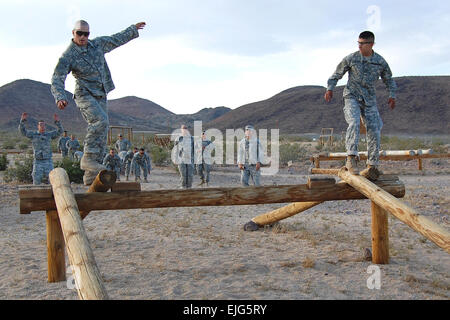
(62, 144)
(250, 155)
(140, 161)
(85, 59)
(184, 148)
(364, 68)
(149, 162)
(112, 162)
(72, 145)
(42, 151)
(122, 144)
(204, 159)
(127, 161)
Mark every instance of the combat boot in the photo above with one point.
(145, 180)
(371, 172)
(88, 163)
(201, 183)
(352, 165)
(126, 178)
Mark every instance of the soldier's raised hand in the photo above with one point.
(24, 116)
(391, 103)
(62, 104)
(140, 25)
(328, 95)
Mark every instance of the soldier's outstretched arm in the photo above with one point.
(22, 128)
(60, 73)
(391, 86)
(341, 69)
(109, 43)
(60, 130)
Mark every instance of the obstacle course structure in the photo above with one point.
(65, 211)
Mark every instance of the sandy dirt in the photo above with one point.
(204, 253)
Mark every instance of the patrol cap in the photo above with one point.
(249, 127)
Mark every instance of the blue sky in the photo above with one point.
(196, 53)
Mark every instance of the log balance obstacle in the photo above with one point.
(66, 209)
(394, 155)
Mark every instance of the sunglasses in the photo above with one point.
(82, 33)
(365, 42)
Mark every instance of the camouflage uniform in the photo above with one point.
(250, 152)
(72, 146)
(42, 150)
(113, 163)
(139, 161)
(123, 145)
(149, 161)
(62, 145)
(185, 152)
(127, 160)
(204, 160)
(360, 99)
(93, 83)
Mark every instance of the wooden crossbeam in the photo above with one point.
(201, 197)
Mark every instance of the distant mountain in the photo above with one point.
(36, 99)
(423, 107)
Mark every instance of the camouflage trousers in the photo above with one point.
(41, 169)
(186, 174)
(127, 166)
(354, 112)
(95, 112)
(64, 152)
(137, 170)
(203, 171)
(250, 171)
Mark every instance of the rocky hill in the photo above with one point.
(423, 107)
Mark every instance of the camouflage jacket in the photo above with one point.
(112, 162)
(123, 145)
(363, 73)
(128, 157)
(139, 160)
(41, 142)
(88, 65)
(62, 143)
(73, 145)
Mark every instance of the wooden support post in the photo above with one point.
(420, 163)
(56, 260)
(87, 276)
(399, 209)
(380, 235)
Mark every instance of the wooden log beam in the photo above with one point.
(399, 209)
(291, 209)
(386, 157)
(102, 183)
(210, 197)
(87, 276)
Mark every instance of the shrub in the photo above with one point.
(159, 155)
(3, 162)
(72, 168)
(9, 144)
(291, 152)
(21, 171)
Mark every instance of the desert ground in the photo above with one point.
(204, 253)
